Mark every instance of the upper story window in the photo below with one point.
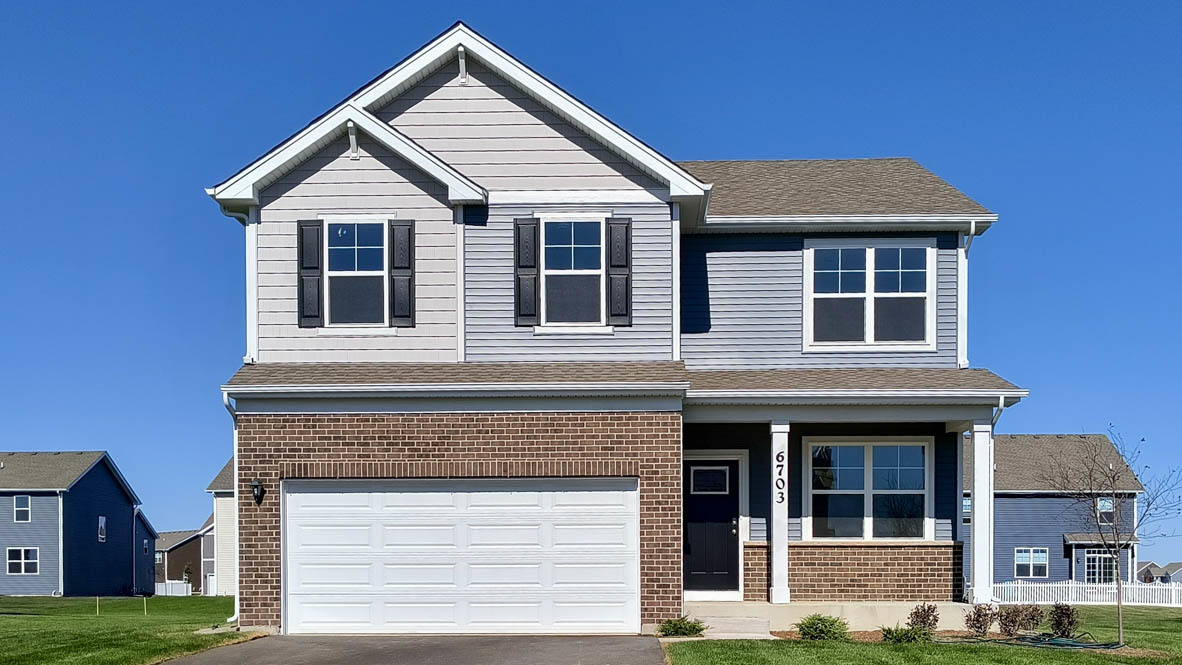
(872, 490)
(1105, 511)
(572, 272)
(22, 510)
(102, 528)
(159, 556)
(870, 295)
(966, 511)
(145, 545)
(356, 290)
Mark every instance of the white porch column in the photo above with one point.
(982, 526)
(778, 559)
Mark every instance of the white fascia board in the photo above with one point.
(966, 223)
(458, 389)
(680, 182)
(961, 396)
(243, 188)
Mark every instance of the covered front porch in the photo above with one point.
(847, 502)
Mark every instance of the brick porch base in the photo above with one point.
(929, 572)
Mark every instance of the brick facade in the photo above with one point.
(646, 445)
(755, 572)
(834, 572)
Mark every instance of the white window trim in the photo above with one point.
(23, 560)
(966, 516)
(1032, 550)
(357, 328)
(868, 491)
(870, 244)
(548, 327)
(159, 558)
(726, 470)
(743, 457)
(1100, 513)
(28, 510)
(1098, 554)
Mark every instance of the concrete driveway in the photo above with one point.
(436, 650)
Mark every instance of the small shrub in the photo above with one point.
(924, 615)
(1010, 619)
(681, 627)
(1064, 620)
(909, 635)
(1032, 617)
(821, 627)
(980, 619)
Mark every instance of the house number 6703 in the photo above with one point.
(781, 481)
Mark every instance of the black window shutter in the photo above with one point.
(310, 236)
(619, 271)
(525, 268)
(402, 273)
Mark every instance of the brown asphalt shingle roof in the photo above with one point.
(170, 539)
(891, 186)
(269, 374)
(224, 480)
(1023, 461)
(849, 379)
(44, 470)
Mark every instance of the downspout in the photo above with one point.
(237, 534)
(968, 242)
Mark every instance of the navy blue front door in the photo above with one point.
(710, 492)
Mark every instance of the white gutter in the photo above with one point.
(455, 389)
(61, 546)
(237, 532)
(932, 396)
(970, 223)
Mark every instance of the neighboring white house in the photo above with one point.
(225, 525)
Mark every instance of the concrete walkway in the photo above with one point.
(435, 650)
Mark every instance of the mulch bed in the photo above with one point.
(875, 636)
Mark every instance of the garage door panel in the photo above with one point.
(487, 556)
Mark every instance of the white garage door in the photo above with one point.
(462, 556)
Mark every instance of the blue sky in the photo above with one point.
(123, 285)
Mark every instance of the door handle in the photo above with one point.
(734, 526)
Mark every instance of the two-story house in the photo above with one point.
(1043, 533)
(510, 369)
(224, 551)
(70, 524)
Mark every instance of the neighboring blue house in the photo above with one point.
(71, 525)
(1041, 535)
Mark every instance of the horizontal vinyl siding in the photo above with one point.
(145, 562)
(1030, 520)
(488, 294)
(379, 183)
(93, 568)
(40, 531)
(497, 135)
(743, 306)
(226, 529)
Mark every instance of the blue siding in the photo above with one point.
(40, 532)
(145, 562)
(755, 438)
(742, 304)
(93, 568)
(1037, 520)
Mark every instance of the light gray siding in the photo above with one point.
(379, 183)
(743, 303)
(488, 294)
(40, 532)
(495, 134)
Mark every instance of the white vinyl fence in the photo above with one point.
(1079, 593)
(174, 589)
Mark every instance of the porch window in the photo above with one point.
(870, 294)
(868, 490)
(1031, 561)
(1099, 567)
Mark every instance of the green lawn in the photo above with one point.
(1147, 628)
(65, 631)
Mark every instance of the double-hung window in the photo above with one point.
(870, 295)
(1099, 567)
(1105, 510)
(868, 490)
(23, 560)
(357, 284)
(1031, 561)
(22, 510)
(572, 271)
(966, 510)
(159, 556)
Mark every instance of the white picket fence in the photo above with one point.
(1080, 593)
(174, 589)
